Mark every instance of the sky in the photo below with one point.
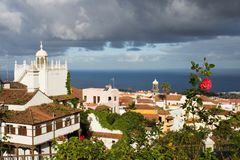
(122, 34)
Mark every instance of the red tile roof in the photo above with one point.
(126, 100)
(77, 93)
(163, 112)
(144, 101)
(151, 116)
(62, 98)
(39, 114)
(107, 135)
(144, 106)
(207, 99)
(16, 96)
(170, 97)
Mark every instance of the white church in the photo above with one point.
(50, 78)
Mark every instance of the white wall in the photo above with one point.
(95, 126)
(14, 138)
(56, 82)
(104, 95)
(39, 99)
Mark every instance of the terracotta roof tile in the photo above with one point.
(151, 116)
(77, 93)
(62, 97)
(163, 112)
(144, 101)
(16, 96)
(207, 99)
(126, 100)
(39, 114)
(170, 97)
(107, 135)
(142, 106)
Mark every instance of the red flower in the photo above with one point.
(206, 84)
(82, 137)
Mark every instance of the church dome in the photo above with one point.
(155, 82)
(41, 52)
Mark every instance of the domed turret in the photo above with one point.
(41, 52)
(155, 82)
(41, 57)
(155, 86)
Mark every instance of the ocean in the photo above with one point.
(223, 80)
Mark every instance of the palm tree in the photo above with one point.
(166, 87)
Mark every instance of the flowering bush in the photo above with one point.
(200, 82)
(206, 84)
(82, 137)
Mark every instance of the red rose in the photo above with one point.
(82, 137)
(206, 84)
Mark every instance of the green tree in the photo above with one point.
(68, 83)
(166, 88)
(80, 149)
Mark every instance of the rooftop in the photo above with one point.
(39, 114)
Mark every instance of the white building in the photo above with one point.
(30, 132)
(109, 137)
(15, 96)
(102, 96)
(50, 78)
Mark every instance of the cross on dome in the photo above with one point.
(41, 52)
(41, 45)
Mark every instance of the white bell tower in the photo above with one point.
(41, 57)
(155, 88)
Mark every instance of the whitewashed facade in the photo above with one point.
(38, 99)
(106, 135)
(50, 78)
(36, 139)
(102, 96)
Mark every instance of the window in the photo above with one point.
(160, 119)
(115, 98)
(94, 99)
(76, 119)
(49, 127)
(109, 98)
(67, 122)
(9, 129)
(98, 99)
(59, 124)
(22, 130)
(38, 130)
(85, 98)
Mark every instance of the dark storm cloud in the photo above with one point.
(92, 23)
(134, 49)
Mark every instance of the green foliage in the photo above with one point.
(186, 143)
(166, 87)
(68, 83)
(80, 149)
(131, 106)
(84, 123)
(102, 108)
(208, 155)
(111, 118)
(75, 101)
(122, 151)
(226, 134)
